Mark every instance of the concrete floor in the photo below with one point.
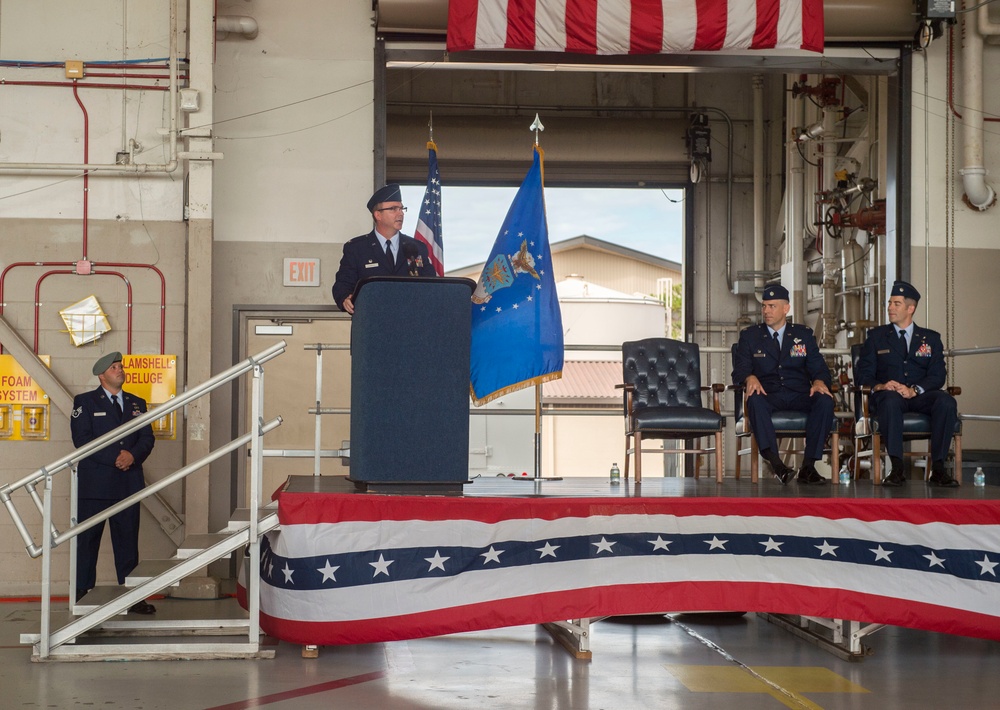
(687, 661)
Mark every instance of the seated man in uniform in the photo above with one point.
(780, 367)
(904, 365)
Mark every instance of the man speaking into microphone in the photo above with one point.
(384, 251)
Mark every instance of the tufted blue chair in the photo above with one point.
(662, 393)
(788, 424)
(915, 426)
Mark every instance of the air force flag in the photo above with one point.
(517, 336)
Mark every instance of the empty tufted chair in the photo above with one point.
(915, 426)
(788, 424)
(662, 393)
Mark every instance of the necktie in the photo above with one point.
(118, 407)
(390, 262)
(902, 341)
(777, 341)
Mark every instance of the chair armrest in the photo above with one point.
(624, 387)
(718, 387)
(954, 391)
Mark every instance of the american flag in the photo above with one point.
(347, 568)
(429, 220)
(635, 26)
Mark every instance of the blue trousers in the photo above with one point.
(124, 541)
(819, 409)
(891, 406)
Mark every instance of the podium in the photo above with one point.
(410, 342)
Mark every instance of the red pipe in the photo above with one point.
(86, 173)
(6, 82)
(163, 298)
(38, 303)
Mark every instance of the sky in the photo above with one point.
(648, 220)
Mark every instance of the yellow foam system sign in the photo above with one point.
(25, 410)
(24, 406)
(154, 378)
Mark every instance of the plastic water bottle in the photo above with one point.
(979, 478)
(616, 475)
(845, 475)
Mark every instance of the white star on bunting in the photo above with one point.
(716, 544)
(288, 574)
(382, 566)
(549, 550)
(603, 546)
(493, 555)
(826, 549)
(328, 572)
(770, 545)
(437, 561)
(660, 544)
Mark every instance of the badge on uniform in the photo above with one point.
(924, 350)
(799, 350)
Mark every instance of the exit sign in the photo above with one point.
(301, 272)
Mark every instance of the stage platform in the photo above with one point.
(350, 567)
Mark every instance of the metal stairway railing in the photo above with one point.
(47, 641)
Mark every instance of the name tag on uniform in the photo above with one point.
(370, 266)
(760, 354)
(884, 352)
(100, 414)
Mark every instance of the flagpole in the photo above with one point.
(537, 126)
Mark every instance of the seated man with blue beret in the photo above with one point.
(384, 251)
(780, 367)
(904, 365)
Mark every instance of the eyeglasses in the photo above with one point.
(391, 209)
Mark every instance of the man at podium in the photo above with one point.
(385, 251)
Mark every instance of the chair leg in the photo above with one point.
(835, 457)
(718, 457)
(876, 459)
(754, 460)
(958, 458)
(638, 457)
(738, 458)
(627, 437)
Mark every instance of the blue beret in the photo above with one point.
(105, 362)
(775, 292)
(388, 193)
(901, 288)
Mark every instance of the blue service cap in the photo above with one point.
(105, 362)
(901, 288)
(775, 292)
(387, 193)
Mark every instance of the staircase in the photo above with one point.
(94, 628)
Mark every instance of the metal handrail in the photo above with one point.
(46, 472)
(176, 403)
(158, 486)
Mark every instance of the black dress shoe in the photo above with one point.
(782, 472)
(81, 593)
(810, 476)
(893, 480)
(143, 607)
(943, 480)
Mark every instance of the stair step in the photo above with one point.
(147, 569)
(193, 544)
(98, 596)
(240, 519)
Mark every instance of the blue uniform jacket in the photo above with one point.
(364, 257)
(794, 368)
(93, 416)
(883, 359)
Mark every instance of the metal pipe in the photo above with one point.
(978, 193)
(758, 179)
(114, 168)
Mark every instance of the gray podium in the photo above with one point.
(410, 341)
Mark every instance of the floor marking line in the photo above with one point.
(794, 697)
(301, 692)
